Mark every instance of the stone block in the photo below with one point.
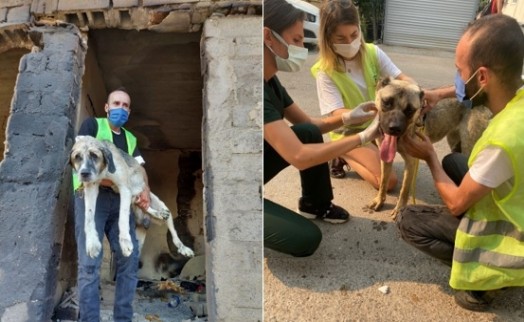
(125, 3)
(44, 7)
(3, 14)
(204, 4)
(70, 5)
(18, 14)
(147, 3)
(199, 16)
(14, 3)
(176, 21)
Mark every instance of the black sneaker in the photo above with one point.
(336, 168)
(473, 300)
(332, 213)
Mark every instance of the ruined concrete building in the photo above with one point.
(193, 70)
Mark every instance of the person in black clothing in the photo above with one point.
(300, 145)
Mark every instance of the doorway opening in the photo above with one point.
(161, 72)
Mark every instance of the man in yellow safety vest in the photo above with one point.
(481, 233)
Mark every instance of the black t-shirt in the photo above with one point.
(90, 127)
(276, 99)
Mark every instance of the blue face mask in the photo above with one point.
(460, 91)
(118, 116)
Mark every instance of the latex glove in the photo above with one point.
(360, 114)
(370, 133)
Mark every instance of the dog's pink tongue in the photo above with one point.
(388, 148)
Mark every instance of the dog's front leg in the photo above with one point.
(126, 244)
(93, 244)
(385, 172)
(409, 172)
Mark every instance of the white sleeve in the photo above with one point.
(140, 160)
(387, 68)
(329, 97)
(492, 167)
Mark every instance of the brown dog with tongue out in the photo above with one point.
(399, 105)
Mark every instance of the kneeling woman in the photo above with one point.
(300, 145)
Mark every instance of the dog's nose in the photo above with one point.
(85, 174)
(394, 130)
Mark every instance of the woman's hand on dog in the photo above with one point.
(360, 114)
(370, 133)
(419, 146)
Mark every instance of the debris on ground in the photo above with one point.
(384, 289)
(67, 309)
(171, 300)
(179, 299)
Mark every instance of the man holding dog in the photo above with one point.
(106, 218)
(481, 232)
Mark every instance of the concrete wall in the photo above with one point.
(35, 190)
(232, 156)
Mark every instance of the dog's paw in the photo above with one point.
(376, 204)
(186, 251)
(394, 213)
(126, 245)
(93, 246)
(162, 214)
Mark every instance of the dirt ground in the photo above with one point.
(341, 281)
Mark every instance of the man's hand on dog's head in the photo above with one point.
(418, 146)
(360, 114)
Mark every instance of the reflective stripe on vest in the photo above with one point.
(489, 244)
(350, 92)
(104, 133)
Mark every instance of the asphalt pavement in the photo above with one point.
(341, 281)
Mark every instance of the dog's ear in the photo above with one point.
(383, 82)
(108, 156)
(71, 160)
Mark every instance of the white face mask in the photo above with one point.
(348, 50)
(296, 56)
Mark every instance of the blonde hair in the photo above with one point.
(332, 14)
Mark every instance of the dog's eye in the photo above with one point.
(77, 157)
(93, 156)
(387, 103)
(409, 110)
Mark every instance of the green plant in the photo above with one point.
(371, 17)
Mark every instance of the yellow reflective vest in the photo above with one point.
(104, 133)
(489, 244)
(351, 95)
